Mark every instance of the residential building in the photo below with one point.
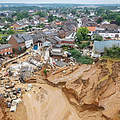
(57, 52)
(5, 49)
(19, 41)
(68, 42)
(19, 25)
(108, 31)
(91, 30)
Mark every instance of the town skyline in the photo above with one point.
(64, 1)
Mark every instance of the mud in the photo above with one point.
(80, 92)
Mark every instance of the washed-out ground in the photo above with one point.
(81, 92)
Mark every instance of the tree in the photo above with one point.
(118, 20)
(9, 20)
(75, 53)
(113, 52)
(87, 11)
(79, 58)
(104, 16)
(51, 18)
(30, 18)
(99, 20)
(98, 38)
(61, 19)
(73, 11)
(100, 11)
(10, 32)
(82, 34)
(83, 45)
(41, 25)
(3, 40)
(41, 14)
(22, 15)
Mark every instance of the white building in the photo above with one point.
(28, 43)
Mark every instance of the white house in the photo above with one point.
(112, 36)
(28, 43)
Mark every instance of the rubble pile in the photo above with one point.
(4, 114)
(10, 93)
(17, 72)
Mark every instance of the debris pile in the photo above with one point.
(26, 69)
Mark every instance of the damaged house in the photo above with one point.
(19, 41)
(5, 49)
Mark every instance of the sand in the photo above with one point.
(48, 103)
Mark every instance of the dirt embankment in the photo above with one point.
(96, 93)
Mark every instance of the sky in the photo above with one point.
(64, 1)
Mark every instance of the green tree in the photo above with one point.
(83, 45)
(118, 20)
(87, 11)
(82, 34)
(98, 38)
(100, 11)
(9, 20)
(99, 20)
(41, 14)
(61, 19)
(51, 18)
(10, 32)
(3, 40)
(75, 53)
(73, 11)
(41, 25)
(21, 15)
(79, 58)
(113, 52)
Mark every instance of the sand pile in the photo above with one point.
(48, 103)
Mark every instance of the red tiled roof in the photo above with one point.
(91, 28)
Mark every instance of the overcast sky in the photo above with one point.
(64, 1)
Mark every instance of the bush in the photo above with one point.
(79, 58)
(98, 38)
(85, 60)
(113, 52)
(3, 40)
(83, 45)
(45, 72)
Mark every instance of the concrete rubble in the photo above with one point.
(19, 71)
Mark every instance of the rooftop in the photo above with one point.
(3, 46)
(92, 29)
(20, 38)
(99, 46)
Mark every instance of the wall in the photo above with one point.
(28, 43)
(14, 43)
